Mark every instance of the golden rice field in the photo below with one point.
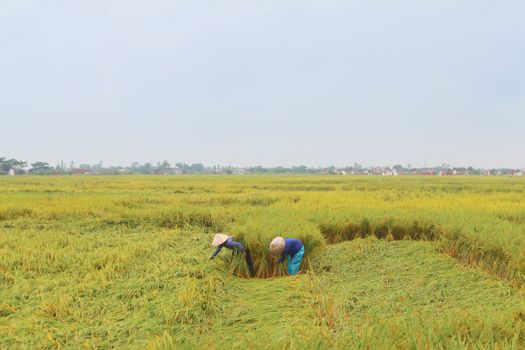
(122, 262)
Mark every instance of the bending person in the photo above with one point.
(290, 248)
(224, 241)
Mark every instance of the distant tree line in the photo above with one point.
(11, 166)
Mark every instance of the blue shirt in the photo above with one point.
(229, 244)
(291, 247)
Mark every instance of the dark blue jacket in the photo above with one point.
(291, 247)
(229, 244)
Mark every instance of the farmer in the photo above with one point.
(220, 240)
(288, 247)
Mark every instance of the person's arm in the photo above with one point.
(216, 252)
(237, 245)
(284, 254)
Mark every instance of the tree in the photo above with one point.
(8, 164)
(197, 168)
(135, 167)
(398, 168)
(147, 167)
(473, 171)
(41, 168)
(301, 169)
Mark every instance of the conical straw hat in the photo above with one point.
(219, 239)
(277, 246)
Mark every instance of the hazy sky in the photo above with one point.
(264, 82)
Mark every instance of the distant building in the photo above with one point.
(239, 171)
(169, 171)
(176, 171)
(81, 171)
(377, 171)
(426, 172)
(11, 172)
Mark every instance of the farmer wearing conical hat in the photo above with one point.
(290, 248)
(220, 240)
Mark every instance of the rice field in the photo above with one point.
(93, 262)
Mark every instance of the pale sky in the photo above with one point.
(264, 82)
